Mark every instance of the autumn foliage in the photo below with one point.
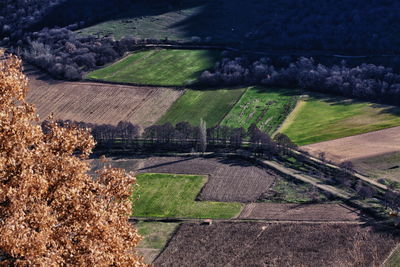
(52, 213)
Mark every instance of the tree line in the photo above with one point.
(367, 81)
(182, 137)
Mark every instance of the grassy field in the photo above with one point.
(159, 67)
(168, 195)
(211, 105)
(321, 118)
(267, 107)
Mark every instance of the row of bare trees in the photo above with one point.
(183, 137)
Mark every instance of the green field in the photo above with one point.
(321, 118)
(168, 195)
(267, 107)
(166, 67)
(211, 105)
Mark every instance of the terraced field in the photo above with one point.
(211, 105)
(266, 107)
(281, 244)
(159, 67)
(98, 103)
(321, 118)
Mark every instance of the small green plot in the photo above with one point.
(169, 67)
(170, 195)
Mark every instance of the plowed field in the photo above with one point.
(359, 146)
(281, 244)
(301, 212)
(229, 180)
(97, 102)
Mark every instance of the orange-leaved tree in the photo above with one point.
(52, 213)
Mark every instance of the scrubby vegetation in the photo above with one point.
(266, 107)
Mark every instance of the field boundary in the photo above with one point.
(289, 119)
(236, 220)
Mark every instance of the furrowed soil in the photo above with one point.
(96, 102)
(358, 146)
(228, 179)
(301, 212)
(279, 244)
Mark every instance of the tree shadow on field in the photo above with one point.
(96, 11)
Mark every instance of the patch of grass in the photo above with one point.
(155, 234)
(166, 67)
(169, 195)
(211, 105)
(323, 118)
(267, 107)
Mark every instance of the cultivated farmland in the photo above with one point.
(170, 195)
(211, 105)
(281, 244)
(266, 107)
(159, 67)
(228, 180)
(98, 103)
(300, 212)
(322, 118)
(360, 146)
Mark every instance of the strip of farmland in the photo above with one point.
(98, 103)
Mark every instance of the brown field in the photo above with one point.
(358, 146)
(229, 180)
(279, 244)
(301, 212)
(97, 102)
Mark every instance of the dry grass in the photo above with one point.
(98, 103)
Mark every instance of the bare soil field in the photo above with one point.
(301, 212)
(229, 179)
(358, 146)
(97, 102)
(279, 244)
